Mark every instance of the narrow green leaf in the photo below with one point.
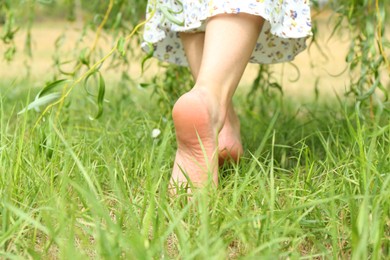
(86, 81)
(41, 101)
(50, 86)
(84, 56)
(100, 98)
(121, 46)
(10, 53)
(148, 56)
(370, 91)
(145, 85)
(118, 20)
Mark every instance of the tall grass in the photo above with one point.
(313, 183)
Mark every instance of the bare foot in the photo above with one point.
(197, 120)
(229, 139)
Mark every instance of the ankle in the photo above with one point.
(214, 102)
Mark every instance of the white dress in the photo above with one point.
(286, 28)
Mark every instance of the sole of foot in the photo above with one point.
(196, 121)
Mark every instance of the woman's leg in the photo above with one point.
(229, 139)
(193, 46)
(199, 115)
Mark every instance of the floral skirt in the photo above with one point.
(286, 28)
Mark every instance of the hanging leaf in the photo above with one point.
(100, 98)
(370, 91)
(10, 53)
(86, 83)
(42, 98)
(51, 86)
(121, 46)
(150, 51)
(84, 56)
(41, 101)
(118, 21)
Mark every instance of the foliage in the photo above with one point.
(317, 186)
(367, 58)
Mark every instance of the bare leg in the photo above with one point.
(229, 139)
(193, 46)
(200, 114)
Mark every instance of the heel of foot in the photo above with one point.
(192, 119)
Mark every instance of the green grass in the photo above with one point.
(314, 183)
